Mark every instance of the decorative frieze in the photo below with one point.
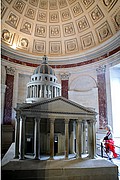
(9, 1)
(62, 3)
(53, 5)
(116, 19)
(71, 1)
(40, 30)
(96, 14)
(104, 32)
(26, 27)
(76, 9)
(68, 29)
(3, 9)
(55, 47)
(19, 6)
(87, 3)
(42, 16)
(34, 2)
(65, 15)
(109, 4)
(54, 31)
(12, 20)
(7, 36)
(71, 46)
(87, 40)
(30, 12)
(82, 24)
(23, 43)
(43, 4)
(39, 46)
(54, 17)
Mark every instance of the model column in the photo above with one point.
(17, 129)
(78, 138)
(52, 138)
(66, 138)
(37, 139)
(22, 137)
(84, 136)
(91, 138)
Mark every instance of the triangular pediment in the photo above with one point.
(57, 105)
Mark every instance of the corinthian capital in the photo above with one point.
(101, 69)
(64, 76)
(10, 70)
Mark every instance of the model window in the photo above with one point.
(50, 78)
(35, 78)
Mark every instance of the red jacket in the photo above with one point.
(109, 144)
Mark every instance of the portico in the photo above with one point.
(76, 133)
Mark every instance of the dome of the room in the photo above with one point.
(58, 28)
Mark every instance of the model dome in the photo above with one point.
(43, 84)
(44, 68)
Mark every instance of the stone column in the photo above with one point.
(22, 137)
(37, 139)
(84, 136)
(52, 138)
(66, 138)
(64, 82)
(44, 91)
(3, 89)
(102, 96)
(74, 136)
(91, 138)
(17, 130)
(78, 139)
(8, 95)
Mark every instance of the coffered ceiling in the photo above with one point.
(58, 27)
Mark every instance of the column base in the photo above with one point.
(36, 158)
(22, 158)
(51, 158)
(16, 157)
(66, 158)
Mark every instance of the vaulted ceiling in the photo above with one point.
(58, 28)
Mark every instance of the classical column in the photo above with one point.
(44, 91)
(91, 138)
(78, 139)
(8, 95)
(64, 82)
(52, 138)
(84, 136)
(22, 137)
(17, 130)
(66, 138)
(37, 139)
(74, 137)
(3, 89)
(102, 96)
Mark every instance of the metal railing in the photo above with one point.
(101, 150)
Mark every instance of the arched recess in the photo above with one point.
(83, 90)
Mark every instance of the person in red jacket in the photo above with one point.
(109, 143)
